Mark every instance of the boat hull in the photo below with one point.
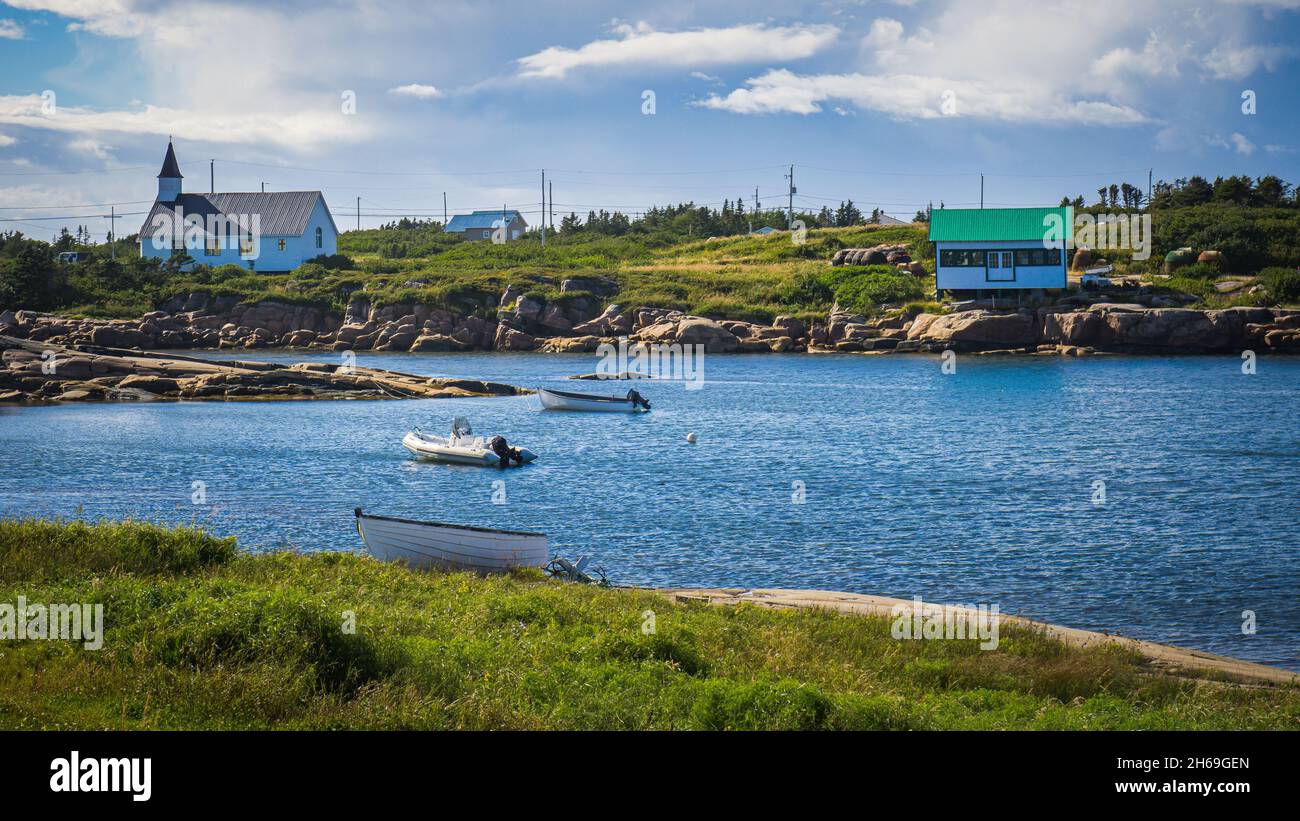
(437, 545)
(559, 400)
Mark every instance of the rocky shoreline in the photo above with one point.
(576, 323)
(41, 372)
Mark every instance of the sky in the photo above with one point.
(891, 103)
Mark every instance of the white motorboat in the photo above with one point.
(565, 400)
(462, 447)
(450, 547)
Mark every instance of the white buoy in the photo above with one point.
(690, 438)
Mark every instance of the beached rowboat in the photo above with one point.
(450, 547)
(564, 400)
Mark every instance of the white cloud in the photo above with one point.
(296, 129)
(1156, 59)
(92, 147)
(1237, 63)
(241, 79)
(643, 45)
(11, 30)
(6, 141)
(911, 96)
(1234, 141)
(1010, 61)
(416, 90)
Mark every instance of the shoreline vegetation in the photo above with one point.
(198, 634)
(865, 289)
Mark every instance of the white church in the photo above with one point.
(266, 232)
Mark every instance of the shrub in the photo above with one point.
(871, 290)
(804, 289)
(1283, 284)
(1199, 270)
(334, 262)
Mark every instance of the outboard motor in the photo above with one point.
(502, 449)
(637, 399)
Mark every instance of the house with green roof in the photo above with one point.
(1001, 249)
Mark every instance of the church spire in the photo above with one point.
(170, 168)
(169, 179)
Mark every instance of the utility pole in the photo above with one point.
(1150, 190)
(551, 194)
(358, 213)
(112, 231)
(543, 207)
(756, 199)
(444, 210)
(981, 190)
(212, 176)
(790, 210)
(263, 186)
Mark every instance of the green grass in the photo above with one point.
(200, 636)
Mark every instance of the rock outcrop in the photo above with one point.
(41, 372)
(1116, 328)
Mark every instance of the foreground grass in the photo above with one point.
(200, 636)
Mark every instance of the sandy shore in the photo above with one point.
(1174, 660)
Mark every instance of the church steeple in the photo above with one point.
(169, 179)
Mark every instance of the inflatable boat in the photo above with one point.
(462, 447)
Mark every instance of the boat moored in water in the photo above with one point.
(567, 400)
(462, 447)
(438, 545)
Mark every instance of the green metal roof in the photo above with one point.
(1010, 224)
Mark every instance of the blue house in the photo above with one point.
(1001, 249)
(266, 232)
(481, 224)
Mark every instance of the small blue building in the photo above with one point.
(268, 232)
(1001, 249)
(481, 224)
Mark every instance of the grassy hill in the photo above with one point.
(199, 635)
(739, 277)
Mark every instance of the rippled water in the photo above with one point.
(975, 487)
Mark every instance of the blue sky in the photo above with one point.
(890, 103)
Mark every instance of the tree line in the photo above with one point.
(1268, 191)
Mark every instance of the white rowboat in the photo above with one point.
(564, 400)
(450, 547)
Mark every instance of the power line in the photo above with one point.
(70, 217)
(79, 173)
(378, 173)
